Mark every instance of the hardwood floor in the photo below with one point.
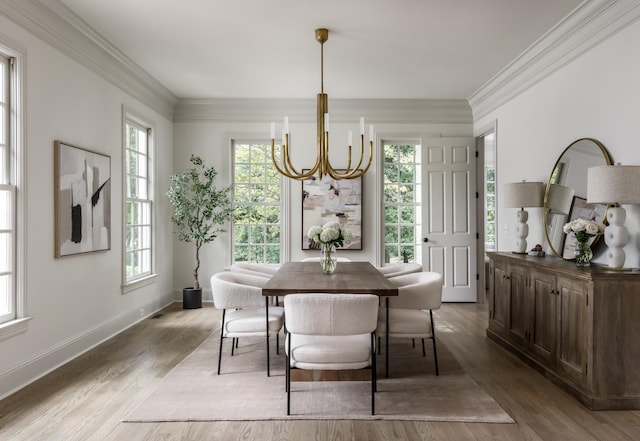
(88, 398)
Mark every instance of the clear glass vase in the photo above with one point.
(328, 258)
(583, 253)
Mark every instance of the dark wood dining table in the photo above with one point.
(348, 278)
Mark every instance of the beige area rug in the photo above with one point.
(193, 392)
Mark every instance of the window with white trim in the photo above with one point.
(138, 202)
(257, 193)
(490, 192)
(12, 300)
(402, 189)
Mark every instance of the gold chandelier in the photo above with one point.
(322, 165)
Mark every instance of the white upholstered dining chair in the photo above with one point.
(411, 312)
(399, 269)
(255, 269)
(330, 332)
(244, 310)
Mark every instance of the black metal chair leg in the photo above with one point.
(268, 361)
(286, 356)
(433, 336)
(374, 383)
(221, 337)
(288, 377)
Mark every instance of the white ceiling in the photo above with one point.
(384, 49)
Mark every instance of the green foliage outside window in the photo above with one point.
(258, 187)
(401, 201)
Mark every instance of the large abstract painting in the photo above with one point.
(327, 199)
(82, 200)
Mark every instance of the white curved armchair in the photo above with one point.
(244, 310)
(255, 269)
(399, 269)
(410, 313)
(330, 332)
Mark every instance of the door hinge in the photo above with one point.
(587, 299)
(477, 236)
(477, 276)
(586, 369)
(477, 195)
(477, 154)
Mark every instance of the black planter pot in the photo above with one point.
(191, 298)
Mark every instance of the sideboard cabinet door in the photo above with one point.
(573, 329)
(544, 317)
(498, 297)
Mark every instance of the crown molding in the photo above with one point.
(342, 110)
(591, 23)
(58, 26)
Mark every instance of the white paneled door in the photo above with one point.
(449, 215)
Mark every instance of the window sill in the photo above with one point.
(14, 327)
(139, 283)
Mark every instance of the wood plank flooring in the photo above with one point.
(87, 399)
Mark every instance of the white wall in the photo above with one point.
(76, 302)
(211, 140)
(596, 96)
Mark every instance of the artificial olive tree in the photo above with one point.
(201, 210)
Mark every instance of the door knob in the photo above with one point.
(425, 239)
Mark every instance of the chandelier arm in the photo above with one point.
(361, 155)
(333, 172)
(287, 165)
(292, 174)
(349, 160)
(353, 174)
(275, 163)
(290, 168)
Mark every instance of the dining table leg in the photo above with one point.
(266, 308)
(386, 339)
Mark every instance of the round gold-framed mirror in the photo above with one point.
(565, 196)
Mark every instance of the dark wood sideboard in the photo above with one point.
(580, 327)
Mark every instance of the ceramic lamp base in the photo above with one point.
(616, 236)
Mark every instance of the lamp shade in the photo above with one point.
(523, 194)
(559, 199)
(611, 184)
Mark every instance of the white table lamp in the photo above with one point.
(520, 195)
(614, 184)
(559, 199)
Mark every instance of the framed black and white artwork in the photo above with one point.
(82, 190)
